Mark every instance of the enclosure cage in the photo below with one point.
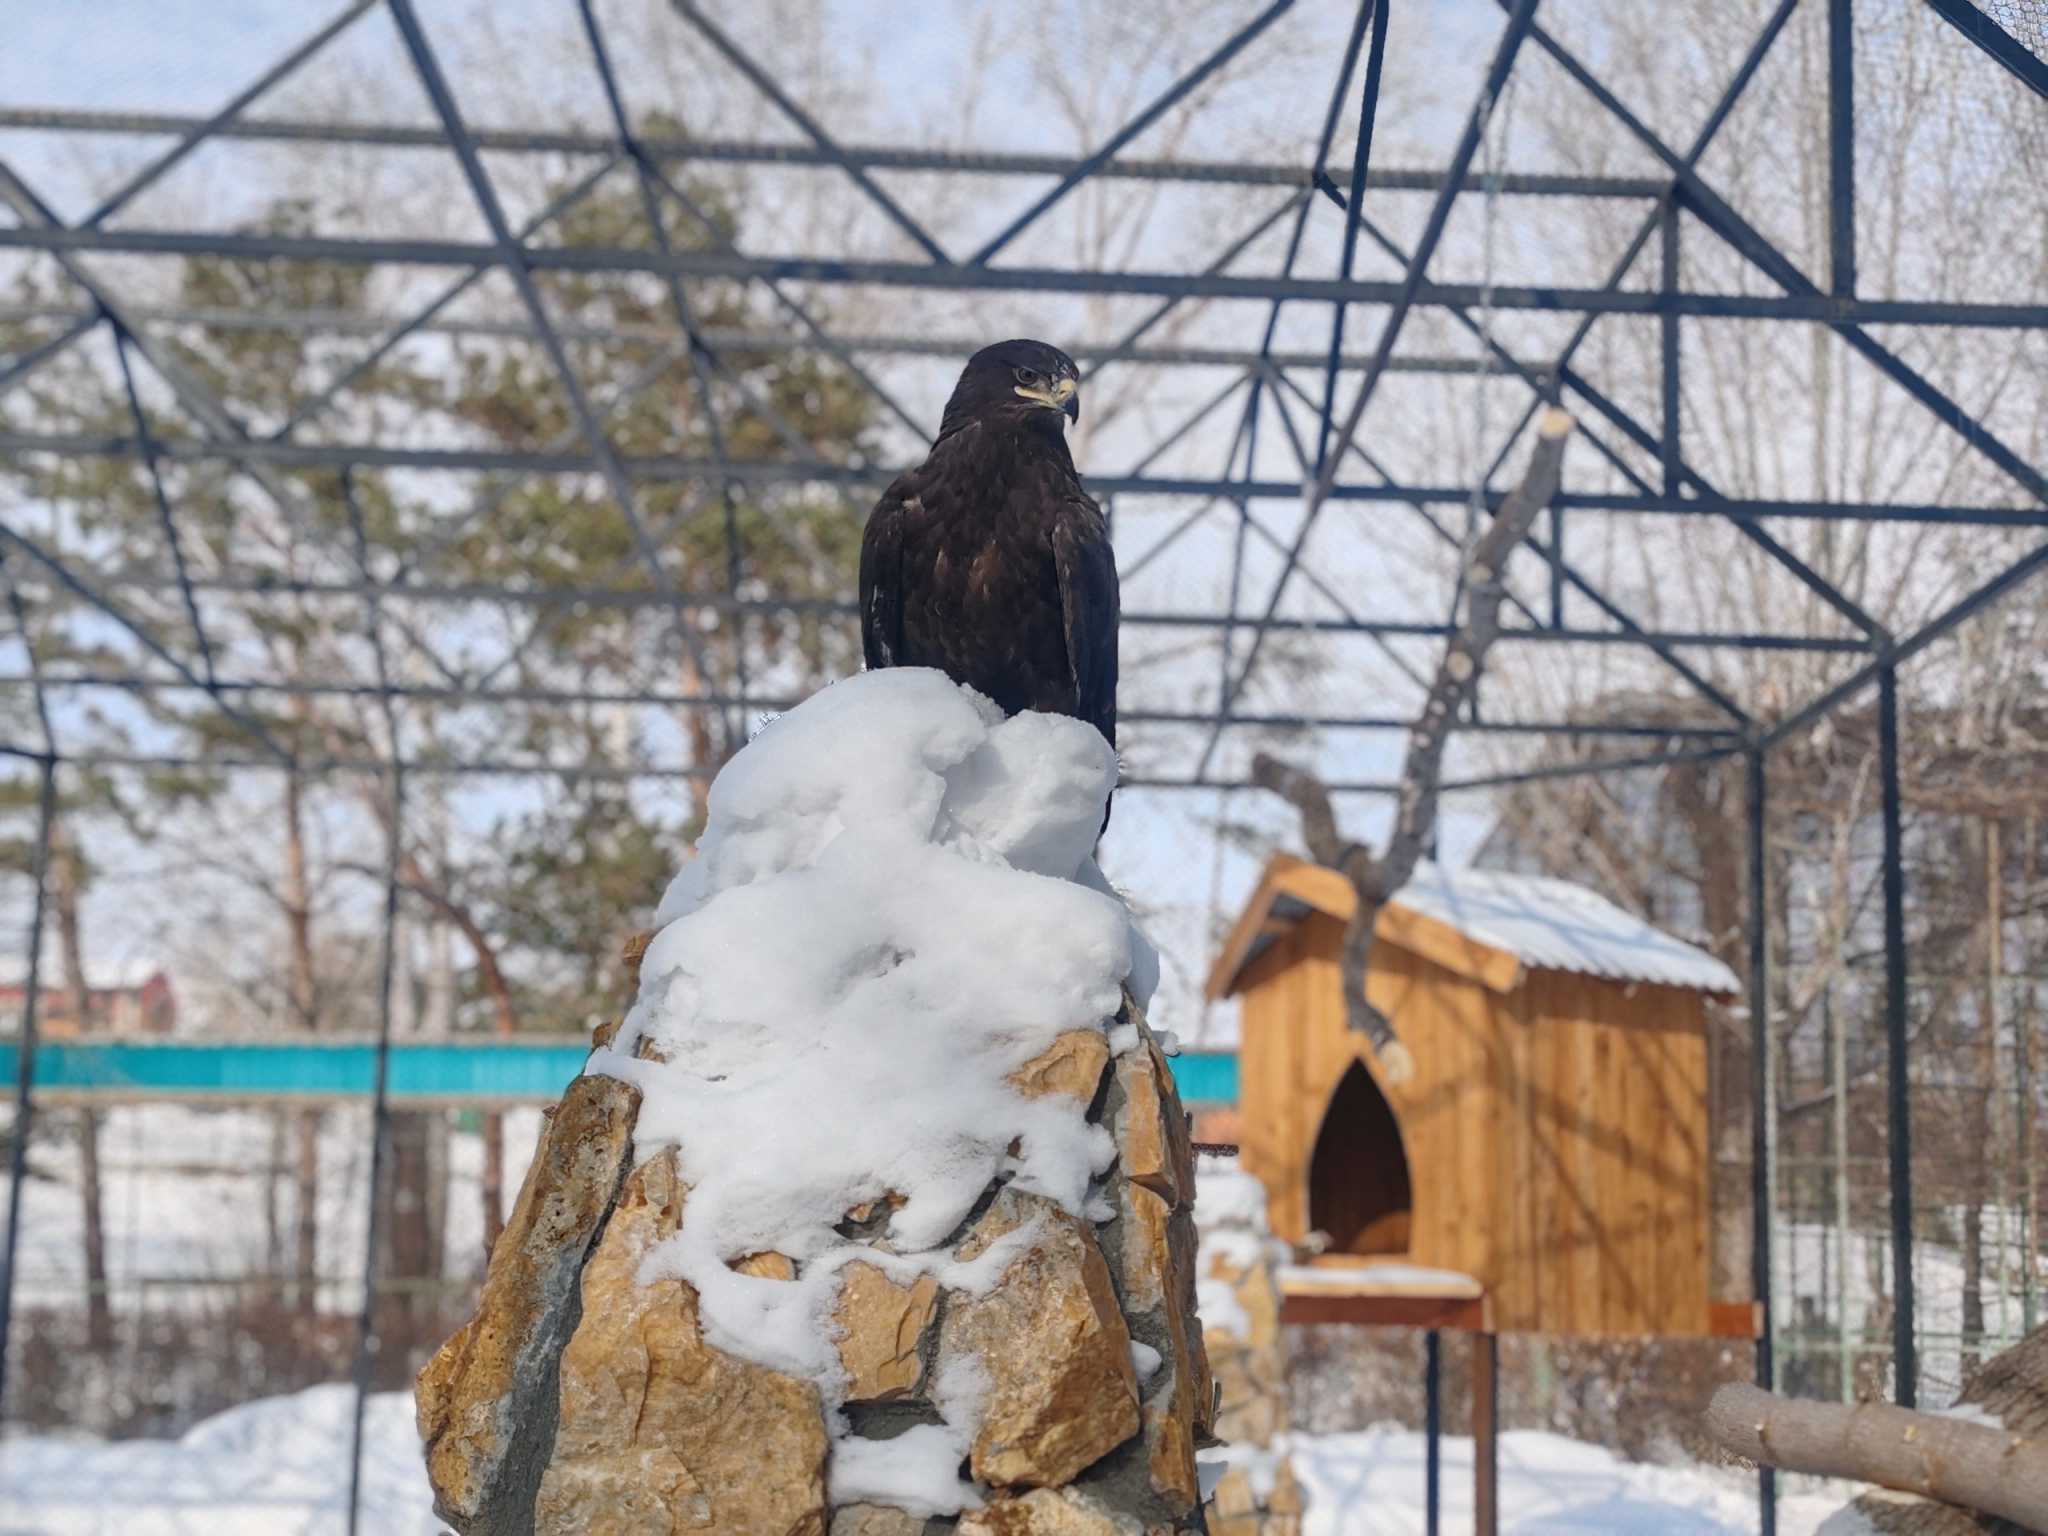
(433, 440)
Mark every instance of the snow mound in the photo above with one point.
(893, 907)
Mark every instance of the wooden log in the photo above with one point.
(1974, 1465)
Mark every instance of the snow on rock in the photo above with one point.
(892, 909)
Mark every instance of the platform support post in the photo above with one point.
(1432, 1427)
(1485, 1426)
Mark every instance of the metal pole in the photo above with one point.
(1760, 1108)
(1841, 149)
(1432, 1427)
(25, 1053)
(1667, 232)
(1898, 1107)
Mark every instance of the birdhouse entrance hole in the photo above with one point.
(1358, 1189)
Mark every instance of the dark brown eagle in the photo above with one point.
(988, 561)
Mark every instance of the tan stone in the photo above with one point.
(1072, 1065)
(486, 1401)
(1052, 1340)
(885, 1325)
(656, 1422)
(766, 1266)
(1285, 1499)
(1147, 1261)
(1250, 1412)
(634, 950)
(1170, 1445)
(1152, 1128)
(1233, 1495)
(1041, 1512)
(875, 1520)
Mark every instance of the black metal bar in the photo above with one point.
(1934, 629)
(1432, 1428)
(780, 471)
(40, 354)
(63, 573)
(765, 83)
(1898, 1096)
(1758, 249)
(1808, 305)
(1841, 149)
(1710, 499)
(719, 338)
(660, 699)
(165, 520)
(1667, 231)
(25, 1048)
(1996, 41)
(1760, 1112)
(737, 151)
(203, 129)
(555, 208)
(1087, 166)
(513, 256)
(1368, 114)
(1403, 300)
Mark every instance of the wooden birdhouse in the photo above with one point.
(1552, 1139)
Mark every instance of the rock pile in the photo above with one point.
(582, 1402)
(1256, 1494)
(874, 1215)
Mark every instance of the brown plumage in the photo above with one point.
(989, 561)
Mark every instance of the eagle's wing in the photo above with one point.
(881, 579)
(1088, 600)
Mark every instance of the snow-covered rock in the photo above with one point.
(909, 1184)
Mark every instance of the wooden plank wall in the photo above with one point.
(1556, 1136)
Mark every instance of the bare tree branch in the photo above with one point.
(1457, 677)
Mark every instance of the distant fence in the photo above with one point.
(440, 1071)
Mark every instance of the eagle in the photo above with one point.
(988, 560)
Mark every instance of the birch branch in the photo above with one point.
(1375, 880)
(1974, 1465)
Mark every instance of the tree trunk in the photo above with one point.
(303, 1002)
(303, 996)
(67, 882)
(306, 1254)
(504, 1022)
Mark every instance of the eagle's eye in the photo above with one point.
(1026, 377)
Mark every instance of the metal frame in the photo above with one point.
(1336, 468)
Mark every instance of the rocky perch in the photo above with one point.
(874, 1216)
(579, 1400)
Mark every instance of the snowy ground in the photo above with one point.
(279, 1467)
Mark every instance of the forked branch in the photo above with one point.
(1375, 880)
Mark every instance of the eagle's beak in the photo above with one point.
(1062, 395)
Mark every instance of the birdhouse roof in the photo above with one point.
(1484, 924)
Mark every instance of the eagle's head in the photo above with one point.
(1023, 382)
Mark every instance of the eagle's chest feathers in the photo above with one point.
(990, 520)
(982, 524)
